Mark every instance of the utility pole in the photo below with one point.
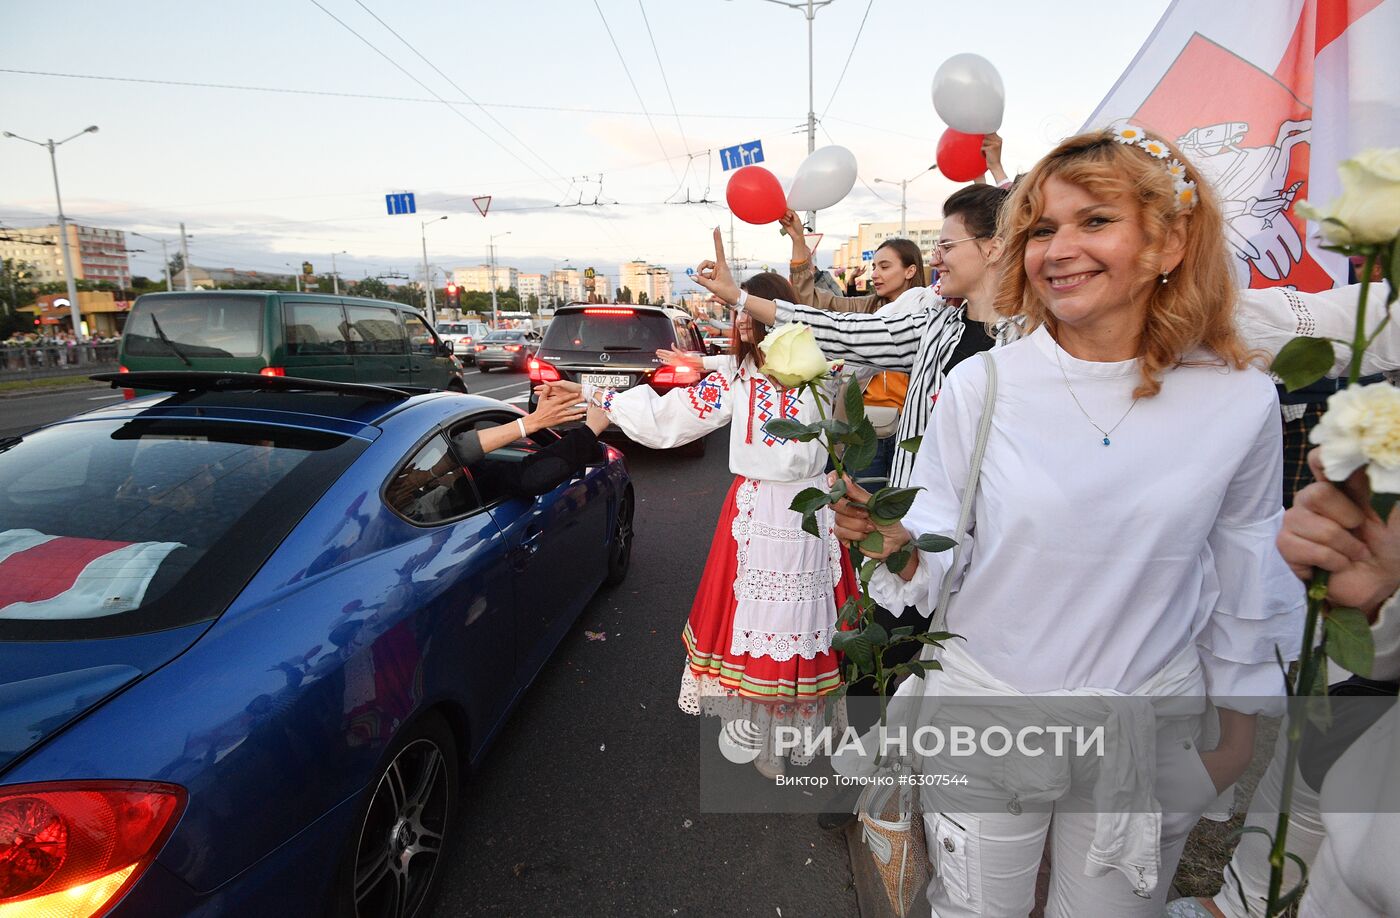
(165, 257)
(809, 10)
(428, 307)
(491, 267)
(904, 196)
(75, 314)
(185, 254)
(335, 275)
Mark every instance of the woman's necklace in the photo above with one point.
(1078, 405)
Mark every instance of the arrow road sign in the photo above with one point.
(402, 203)
(744, 154)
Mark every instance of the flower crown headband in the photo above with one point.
(1134, 136)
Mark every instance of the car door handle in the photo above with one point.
(531, 543)
(403, 369)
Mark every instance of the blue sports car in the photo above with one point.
(252, 638)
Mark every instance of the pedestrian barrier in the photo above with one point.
(36, 361)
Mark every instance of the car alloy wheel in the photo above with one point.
(406, 822)
(620, 558)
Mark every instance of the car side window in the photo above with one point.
(420, 337)
(497, 472)
(376, 330)
(314, 328)
(432, 488)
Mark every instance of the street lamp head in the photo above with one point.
(90, 129)
(8, 134)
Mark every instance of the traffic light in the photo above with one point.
(452, 298)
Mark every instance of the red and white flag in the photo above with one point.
(1266, 97)
(62, 577)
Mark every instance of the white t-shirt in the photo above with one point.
(1093, 566)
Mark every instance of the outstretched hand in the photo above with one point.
(715, 276)
(680, 358)
(558, 407)
(853, 523)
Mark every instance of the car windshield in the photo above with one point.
(195, 326)
(457, 329)
(117, 527)
(504, 336)
(610, 329)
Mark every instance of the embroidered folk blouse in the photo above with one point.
(736, 395)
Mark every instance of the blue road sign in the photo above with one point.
(743, 154)
(689, 272)
(400, 203)
(867, 255)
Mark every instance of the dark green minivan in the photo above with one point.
(310, 335)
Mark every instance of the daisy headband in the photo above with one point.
(1133, 136)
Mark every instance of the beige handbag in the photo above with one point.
(884, 419)
(892, 826)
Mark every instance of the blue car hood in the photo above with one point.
(46, 685)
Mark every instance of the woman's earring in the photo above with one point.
(1164, 278)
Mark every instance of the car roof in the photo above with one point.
(348, 412)
(301, 297)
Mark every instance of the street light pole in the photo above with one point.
(74, 312)
(165, 257)
(428, 305)
(491, 268)
(185, 256)
(904, 197)
(335, 275)
(809, 10)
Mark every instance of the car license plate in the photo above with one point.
(605, 380)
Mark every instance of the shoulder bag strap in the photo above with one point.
(979, 449)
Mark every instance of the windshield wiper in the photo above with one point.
(168, 343)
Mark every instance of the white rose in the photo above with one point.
(1369, 209)
(792, 356)
(1362, 428)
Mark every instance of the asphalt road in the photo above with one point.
(588, 804)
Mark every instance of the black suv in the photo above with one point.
(615, 345)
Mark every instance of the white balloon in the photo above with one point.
(968, 94)
(824, 178)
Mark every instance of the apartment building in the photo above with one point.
(98, 254)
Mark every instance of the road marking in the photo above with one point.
(103, 398)
(499, 388)
(519, 399)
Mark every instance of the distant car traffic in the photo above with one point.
(615, 345)
(306, 335)
(254, 632)
(715, 334)
(463, 336)
(511, 349)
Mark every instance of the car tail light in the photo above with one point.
(126, 393)
(609, 311)
(272, 371)
(481, 347)
(72, 849)
(676, 376)
(542, 372)
(513, 347)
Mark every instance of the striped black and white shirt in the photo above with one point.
(917, 334)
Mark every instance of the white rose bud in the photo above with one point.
(1368, 211)
(1362, 427)
(792, 356)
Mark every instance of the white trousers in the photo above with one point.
(986, 861)
(1250, 862)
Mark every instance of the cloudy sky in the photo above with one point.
(312, 110)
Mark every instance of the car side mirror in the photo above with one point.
(447, 348)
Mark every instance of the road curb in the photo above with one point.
(45, 390)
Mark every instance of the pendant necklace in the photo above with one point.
(1077, 404)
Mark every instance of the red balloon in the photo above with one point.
(755, 196)
(960, 155)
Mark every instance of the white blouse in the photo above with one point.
(1093, 565)
(736, 395)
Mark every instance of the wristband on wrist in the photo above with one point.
(743, 298)
(521, 423)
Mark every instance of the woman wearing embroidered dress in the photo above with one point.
(1122, 535)
(758, 639)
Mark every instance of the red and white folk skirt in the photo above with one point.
(758, 640)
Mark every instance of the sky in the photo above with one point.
(619, 106)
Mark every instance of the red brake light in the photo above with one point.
(676, 376)
(512, 347)
(127, 394)
(609, 311)
(71, 849)
(481, 347)
(272, 371)
(542, 372)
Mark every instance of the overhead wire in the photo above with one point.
(283, 90)
(627, 70)
(850, 55)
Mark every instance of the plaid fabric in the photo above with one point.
(1296, 474)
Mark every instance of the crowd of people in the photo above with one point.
(1128, 537)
